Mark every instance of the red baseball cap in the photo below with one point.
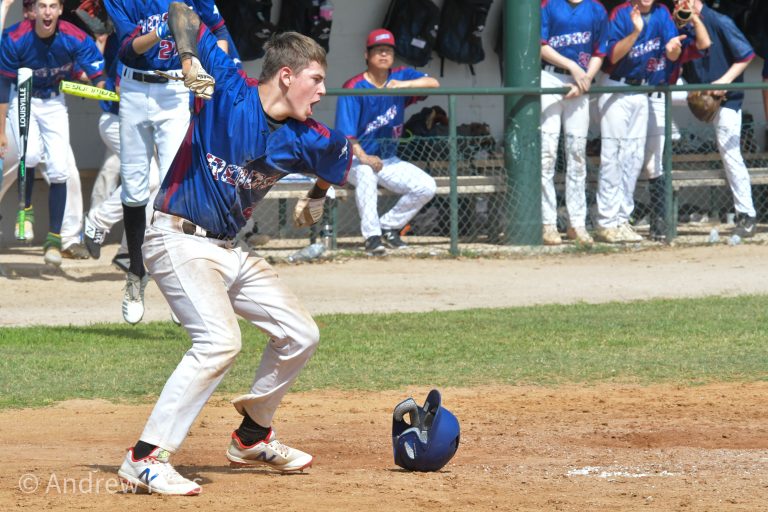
(380, 36)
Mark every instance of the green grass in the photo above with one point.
(682, 341)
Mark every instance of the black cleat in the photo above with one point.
(373, 246)
(392, 239)
(746, 226)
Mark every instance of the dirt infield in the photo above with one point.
(523, 448)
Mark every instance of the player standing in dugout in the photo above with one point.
(51, 48)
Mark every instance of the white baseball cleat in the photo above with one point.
(270, 452)
(155, 474)
(133, 299)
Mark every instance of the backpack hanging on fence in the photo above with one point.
(414, 24)
(312, 18)
(460, 37)
(248, 22)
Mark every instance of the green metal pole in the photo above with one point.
(671, 210)
(453, 168)
(522, 142)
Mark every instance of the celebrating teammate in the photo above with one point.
(366, 120)
(239, 144)
(154, 113)
(642, 37)
(51, 48)
(573, 36)
(728, 57)
(694, 46)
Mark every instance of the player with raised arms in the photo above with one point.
(238, 145)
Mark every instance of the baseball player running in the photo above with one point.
(154, 114)
(573, 35)
(728, 57)
(50, 48)
(241, 142)
(366, 120)
(694, 46)
(641, 35)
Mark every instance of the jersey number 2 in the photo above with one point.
(167, 49)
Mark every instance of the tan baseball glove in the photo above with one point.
(308, 211)
(197, 80)
(682, 13)
(703, 105)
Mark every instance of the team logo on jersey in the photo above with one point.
(382, 120)
(96, 64)
(570, 39)
(655, 65)
(239, 177)
(645, 48)
(584, 58)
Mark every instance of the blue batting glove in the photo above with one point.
(162, 30)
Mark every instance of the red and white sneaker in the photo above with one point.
(270, 451)
(155, 474)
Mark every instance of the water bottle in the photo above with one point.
(327, 235)
(326, 10)
(734, 240)
(308, 253)
(714, 236)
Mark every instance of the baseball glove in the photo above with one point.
(197, 80)
(682, 13)
(308, 211)
(703, 105)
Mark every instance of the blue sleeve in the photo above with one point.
(617, 30)
(9, 60)
(310, 147)
(348, 115)
(544, 23)
(210, 15)
(669, 29)
(740, 48)
(220, 65)
(600, 44)
(124, 26)
(89, 58)
(411, 74)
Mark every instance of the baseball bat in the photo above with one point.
(24, 84)
(90, 92)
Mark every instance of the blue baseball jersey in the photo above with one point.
(672, 69)
(134, 18)
(576, 31)
(231, 157)
(375, 121)
(113, 68)
(51, 60)
(647, 55)
(729, 46)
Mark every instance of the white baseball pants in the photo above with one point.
(623, 126)
(728, 128)
(653, 166)
(108, 178)
(415, 186)
(573, 115)
(151, 116)
(109, 211)
(207, 284)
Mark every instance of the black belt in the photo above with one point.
(629, 81)
(555, 69)
(189, 228)
(147, 78)
(45, 96)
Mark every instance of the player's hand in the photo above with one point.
(197, 79)
(637, 19)
(395, 84)
(575, 91)
(162, 31)
(308, 211)
(3, 144)
(373, 162)
(675, 47)
(101, 84)
(582, 81)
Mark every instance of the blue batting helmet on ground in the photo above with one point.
(429, 440)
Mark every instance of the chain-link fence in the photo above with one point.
(702, 194)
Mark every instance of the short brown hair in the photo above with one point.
(290, 49)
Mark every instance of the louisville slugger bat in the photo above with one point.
(24, 84)
(90, 92)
